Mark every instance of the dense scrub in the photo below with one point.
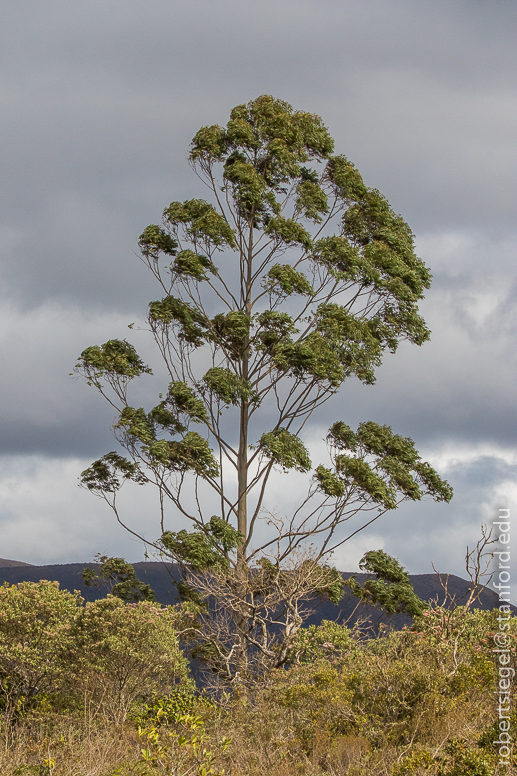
(58, 655)
(104, 690)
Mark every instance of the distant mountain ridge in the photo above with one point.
(426, 586)
(5, 563)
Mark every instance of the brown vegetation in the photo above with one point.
(416, 701)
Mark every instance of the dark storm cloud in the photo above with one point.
(102, 100)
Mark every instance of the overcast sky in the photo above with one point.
(100, 100)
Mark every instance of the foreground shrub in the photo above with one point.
(325, 641)
(126, 651)
(56, 654)
(37, 639)
(409, 702)
(416, 702)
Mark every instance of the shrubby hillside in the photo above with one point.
(104, 689)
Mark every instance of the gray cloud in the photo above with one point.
(100, 103)
(103, 100)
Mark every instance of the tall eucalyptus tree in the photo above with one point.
(290, 278)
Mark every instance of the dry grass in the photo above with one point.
(67, 746)
(267, 738)
(399, 706)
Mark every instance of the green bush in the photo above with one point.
(397, 691)
(461, 759)
(126, 651)
(325, 641)
(37, 641)
(54, 650)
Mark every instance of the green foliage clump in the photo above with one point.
(284, 279)
(103, 476)
(155, 240)
(329, 482)
(192, 453)
(228, 386)
(381, 466)
(186, 401)
(461, 759)
(288, 231)
(327, 641)
(120, 578)
(192, 265)
(36, 638)
(285, 449)
(202, 223)
(392, 588)
(126, 651)
(116, 357)
(231, 332)
(207, 547)
(189, 325)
